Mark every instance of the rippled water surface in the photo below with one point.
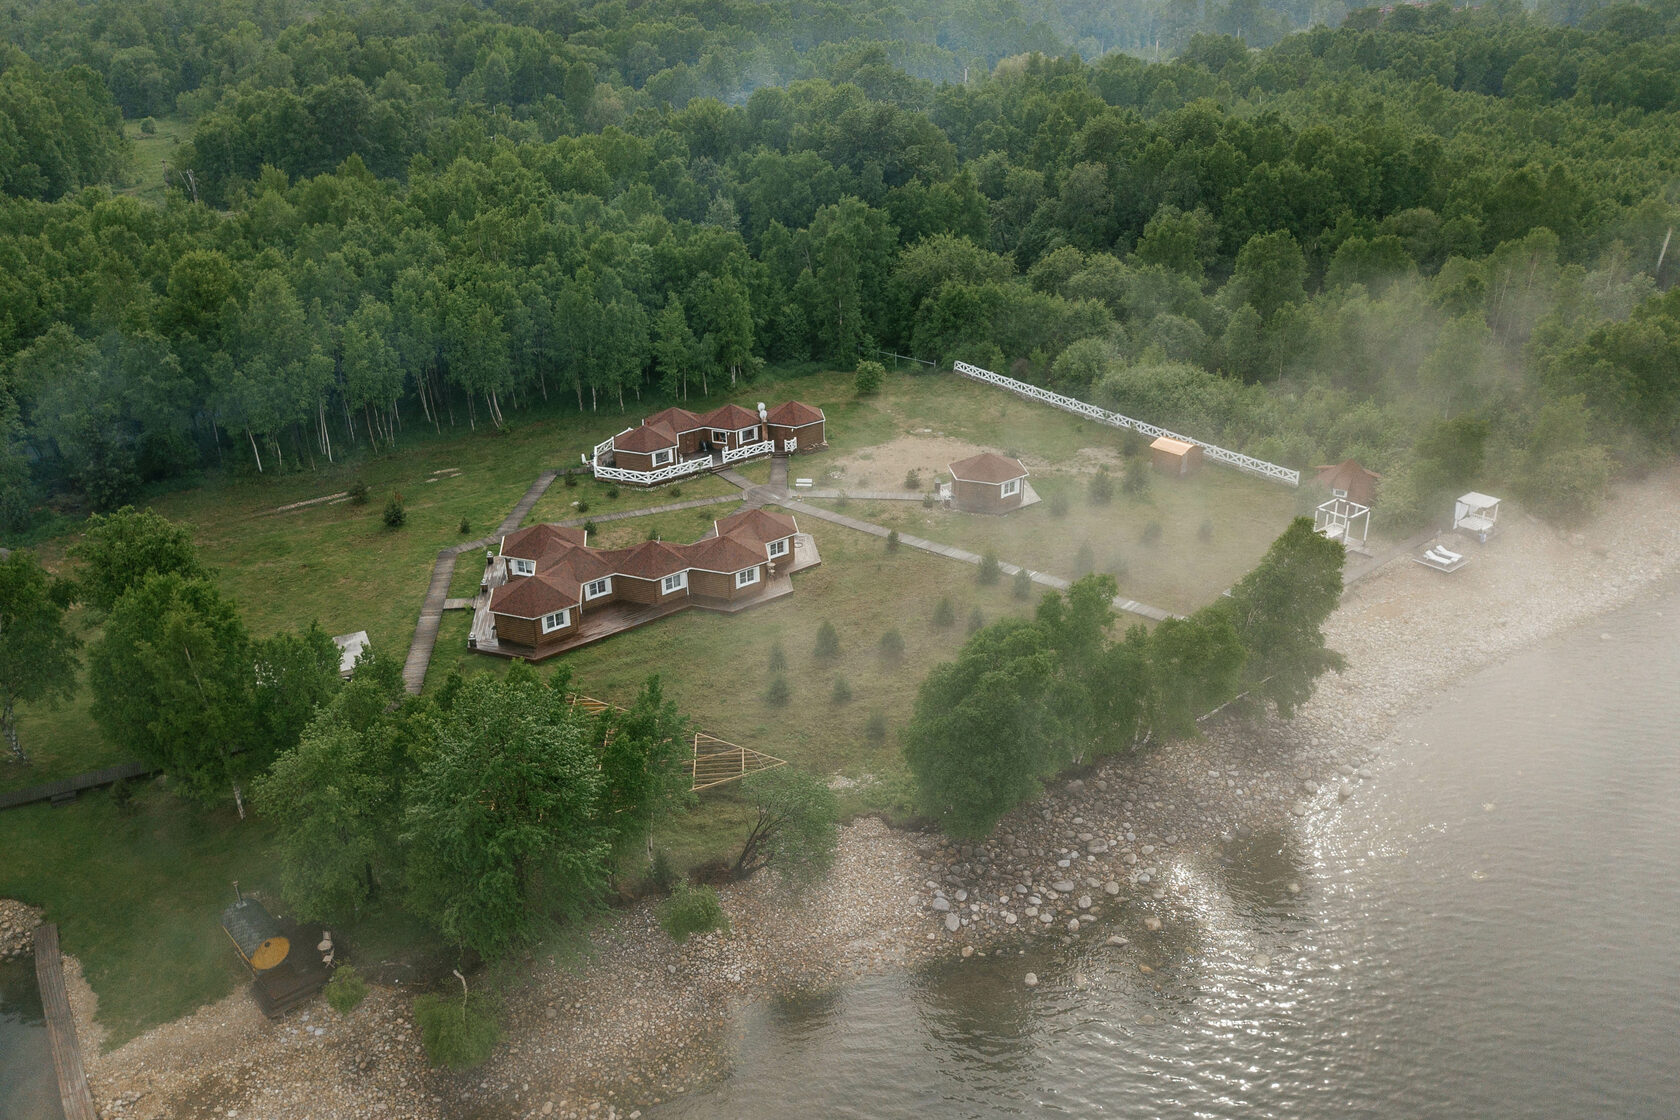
(28, 1090)
(1491, 929)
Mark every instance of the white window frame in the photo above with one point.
(1011, 488)
(663, 456)
(558, 620)
(746, 577)
(676, 581)
(519, 567)
(720, 436)
(778, 548)
(605, 585)
(748, 435)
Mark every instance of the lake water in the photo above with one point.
(28, 1089)
(1491, 929)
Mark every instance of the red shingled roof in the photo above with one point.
(648, 560)
(795, 414)
(677, 419)
(648, 437)
(731, 416)
(536, 541)
(988, 467)
(722, 554)
(757, 526)
(535, 596)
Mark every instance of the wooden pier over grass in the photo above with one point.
(73, 1090)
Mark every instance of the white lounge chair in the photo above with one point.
(1452, 557)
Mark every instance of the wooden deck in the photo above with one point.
(73, 1091)
(714, 762)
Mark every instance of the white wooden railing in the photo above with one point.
(1116, 420)
(790, 444)
(654, 477)
(748, 451)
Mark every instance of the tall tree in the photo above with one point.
(501, 825)
(37, 655)
(172, 679)
(1279, 610)
(643, 752)
(674, 348)
(119, 550)
(793, 825)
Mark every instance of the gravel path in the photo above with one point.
(644, 1018)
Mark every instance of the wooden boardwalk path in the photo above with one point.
(431, 611)
(93, 779)
(73, 1089)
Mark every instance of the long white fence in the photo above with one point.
(1116, 420)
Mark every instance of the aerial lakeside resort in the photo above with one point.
(660, 539)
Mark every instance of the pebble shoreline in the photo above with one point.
(644, 1019)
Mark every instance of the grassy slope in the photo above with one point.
(138, 896)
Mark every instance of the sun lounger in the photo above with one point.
(1452, 557)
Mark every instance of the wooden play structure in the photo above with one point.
(714, 761)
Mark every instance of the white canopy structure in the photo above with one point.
(1342, 520)
(1476, 513)
(350, 647)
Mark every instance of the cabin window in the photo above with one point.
(662, 457)
(747, 435)
(1338, 493)
(559, 620)
(522, 567)
(675, 582)
(597, 588)
(1012, 488)
(719, 436)
(778, 548)
(746, 577)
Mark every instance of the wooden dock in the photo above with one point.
(73, 1089)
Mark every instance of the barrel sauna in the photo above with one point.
(255, 934)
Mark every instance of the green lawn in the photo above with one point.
(150, 153)
(138, 896)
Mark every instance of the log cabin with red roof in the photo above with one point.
(988, 483)
(675, 443)
(548, 591)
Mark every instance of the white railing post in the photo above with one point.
(1116, 420)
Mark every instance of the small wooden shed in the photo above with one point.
(1175, 456)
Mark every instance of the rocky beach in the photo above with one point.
(639, 1018)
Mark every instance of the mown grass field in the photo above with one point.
(138, 894)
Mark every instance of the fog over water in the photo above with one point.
(1490, 929)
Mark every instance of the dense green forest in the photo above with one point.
(1431, 238)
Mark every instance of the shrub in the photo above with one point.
(148, 126)
(583, 507)
(1137, 478)
(1058, 504)
(944, 613)
(676, 491)
(122, 796)
(457, 1033)
(869, 377)
(875, 728)
(842, 693)
(927, 501)
(692, 910)
(1084, 560)
(662, 873)
(612, 492)
(913, 479)
(892, 647)
(1021, 585)
(1151, 533)
(1119, 568)
(778, 658)
(779, 692)
(346, 990)
(589, 528)
(465, 526)
(976, 621)
(989, 570)
(395, 515)
(570, 478)
(1205, 532)
(892, 540)
(828, 642)
(1101, 488)
(653, 534)
(358, 493)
